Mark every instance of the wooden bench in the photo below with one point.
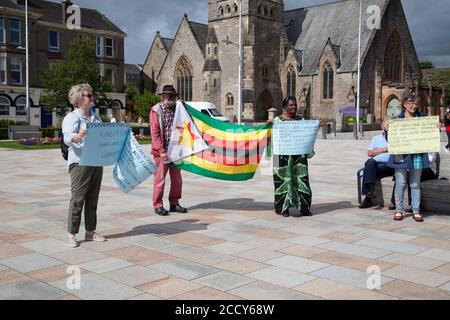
(23, 132)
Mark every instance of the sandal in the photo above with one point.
(398, 216)
(417, 217)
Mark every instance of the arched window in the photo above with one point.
(184, 72)
(220, 11)
(259, 10)
(328, 82)
(271, 12)
(206, 86)
(209, 51)
(215, 50)
(393, 59)
(235, 6)
(228, 9)
(230, 100)
(21, 106)
(4, 106)
(291, 82)
(265, 72)
(215, 83)
(266, 11)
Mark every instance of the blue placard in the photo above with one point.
(133, 166)
(103, 144)
(294, 137)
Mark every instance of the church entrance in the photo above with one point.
(265, 102)
(394, 108)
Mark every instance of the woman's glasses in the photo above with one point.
(90, 96)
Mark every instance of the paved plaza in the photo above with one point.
(231, 245)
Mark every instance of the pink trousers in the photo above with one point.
(159, 182)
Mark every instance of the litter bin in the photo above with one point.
(329, 127)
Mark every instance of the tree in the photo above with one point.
(78, 67)
(143, 102)
(426, 65)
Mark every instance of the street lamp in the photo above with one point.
(27, 66)
(358, 94)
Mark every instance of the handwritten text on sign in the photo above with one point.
(133, 167)
(294, 137)
(414, 135)
(103, 144)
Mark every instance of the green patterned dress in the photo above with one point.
(291, 180)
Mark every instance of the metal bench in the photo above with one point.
(23, 132)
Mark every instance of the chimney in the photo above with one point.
(64, 5)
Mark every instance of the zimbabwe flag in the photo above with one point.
(234, 151)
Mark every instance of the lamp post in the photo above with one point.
(358, 94)
(27, 66)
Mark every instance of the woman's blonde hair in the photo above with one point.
(76, 94)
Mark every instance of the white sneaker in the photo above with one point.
(73, 243)
(446, 150)
(94, 236)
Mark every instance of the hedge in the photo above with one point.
(136, 130)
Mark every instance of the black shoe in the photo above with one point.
(177, 208)
(306, 213)
(161, 211)
(367, 203)
(391, 206)
(285, 213)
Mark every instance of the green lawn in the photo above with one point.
(17, 146)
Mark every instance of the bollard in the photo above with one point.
(324, 131)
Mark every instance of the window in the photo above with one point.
(206, 86)
(2, 30)
(53, 41)
(220, 11)
(99, 47)
(4, 106)
(2, 70)
(230, 100)
(21, 106)
(16, 71)
(328, 82)
(265, 72)
(110, 75)
(109, 47)
(228, 9)
(14, 31)
(291, 82)
(184, 72)
(215, 83)
(206, 112)
(393, 59)
(235, 6)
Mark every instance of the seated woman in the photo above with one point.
(290, 174)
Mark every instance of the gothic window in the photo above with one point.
(271, 12)
(265, 11)
(265, 73)
(228, 9)
(215, 50)
(206, 86)
(291, 82)
(235, 6)
(259, 10)
(230, 100)
(215, 83)
(184, 75)
(220, 11)
(393, 59)
(328, 82)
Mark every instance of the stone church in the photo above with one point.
(310, 53)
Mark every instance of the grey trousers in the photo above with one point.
(85, 185)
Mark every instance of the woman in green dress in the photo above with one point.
(290, 174)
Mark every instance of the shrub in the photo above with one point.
(3, 133)
(136, 130)
(49, 132)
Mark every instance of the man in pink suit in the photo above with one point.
(161, 121)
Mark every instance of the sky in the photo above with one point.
(140, 19)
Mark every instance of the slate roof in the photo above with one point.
(309, 28)
(52, 12)
(167, 42)
(132, 68)
(200, 31)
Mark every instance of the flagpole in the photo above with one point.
(240, 65)
(358, 94)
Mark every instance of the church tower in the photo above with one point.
(212, 71)
(262, 22)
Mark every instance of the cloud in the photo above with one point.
(140, 19)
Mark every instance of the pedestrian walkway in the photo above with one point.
(231, 245)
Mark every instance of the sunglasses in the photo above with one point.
(90, 96)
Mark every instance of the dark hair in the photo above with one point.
(410, 97)
(287, 99)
